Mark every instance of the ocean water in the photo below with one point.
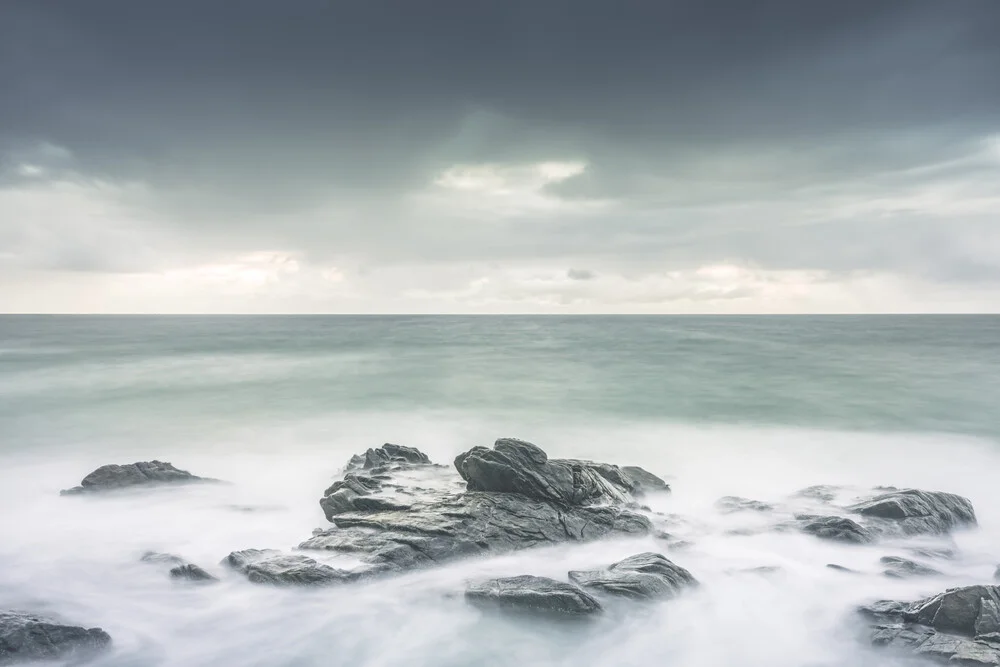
(752, 406)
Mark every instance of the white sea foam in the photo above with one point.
(78, 556)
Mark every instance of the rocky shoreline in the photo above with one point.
(394, 512)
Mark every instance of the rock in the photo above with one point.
(162, 559)
(919, 512)
(644, 576)
(643, 481)
(342, 496)
(841, 568)
(144, 473)
(731, 504)
(836, 528)
(536, 594)
(961, 625)
(468, 524)
(821, 492)
(933, 554)
(191, 572)
(272, 567)
(30, 638)
(901, 568)
(388, 454)
(996, 573)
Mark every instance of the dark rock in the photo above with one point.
(901, 568)
(961, 625)
(535, 594)
(516, 466)
(343, 495)
(30, 638)
(191, 572)
(646, 575)
(836, 528)
(144, 473)
(841, 568)
(643, 481)
(468, 524)
(731, 504)
(272, 567)
(919, 512)
(387, 455)
(370, 504)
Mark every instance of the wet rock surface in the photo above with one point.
(732, 504)
(528, 593)
(916, 512)
(837, 528)
(643, 576)
(903, 568)
(31, 638)
(178, 568)
(267, 566)
(515, 498)
(961, 625)
(132, 475)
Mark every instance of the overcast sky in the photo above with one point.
(505, 156)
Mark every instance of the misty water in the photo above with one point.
(755, 407)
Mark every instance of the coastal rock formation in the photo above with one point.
(267, 566)
(643, 576)
(916, 512)
(30, 638)
(144, 473)
(961, 625)
(516, 498)
(177, 567)
(835, 528)
(387, 455)
(534, 594)
(516, 466)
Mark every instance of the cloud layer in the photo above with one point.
(552, 156)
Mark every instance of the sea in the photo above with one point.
(758, 407)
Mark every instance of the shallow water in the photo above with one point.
(757, 407)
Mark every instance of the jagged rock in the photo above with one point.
(535, 594)
(919, 512)
(516, 466)
(646, 575)
(468, 524)
(144, 473)
(342, 496)
(961, 625)
(821, 492)
(836, 528)
(901, 568)
(643, 481)
(191, 572)
(273, 567)
(30, 638)
(731, 504)
(388, 454)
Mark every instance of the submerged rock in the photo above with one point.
(821, 492)
(516, 466)
(901, 568)
(836, 528)
(643, 576)
(268, 566)
(144, 473)
(841, 568)
(30, 638)
(535, 594)
(177, 567)
(961, 625)
(157, 558)
(732, 504)
(917, 512)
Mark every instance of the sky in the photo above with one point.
(517, 156)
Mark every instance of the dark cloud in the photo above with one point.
(765, 131)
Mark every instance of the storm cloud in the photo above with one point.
(311, 155)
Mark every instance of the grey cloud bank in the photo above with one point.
(585, 156)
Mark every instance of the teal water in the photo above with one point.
(753, 406)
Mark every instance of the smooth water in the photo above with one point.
(752, 406)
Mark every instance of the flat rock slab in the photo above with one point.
(533, 594)
(643, 576)
(114, 477)
(29, 638)
(267, 566)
